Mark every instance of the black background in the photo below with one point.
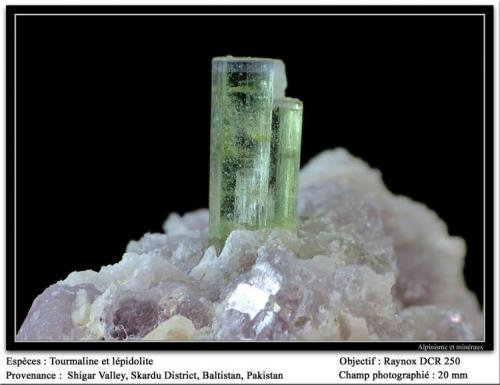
(113, 121)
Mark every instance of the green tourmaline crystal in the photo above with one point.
(285, 163)
(254, 149)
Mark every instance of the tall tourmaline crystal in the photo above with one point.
(255, 147)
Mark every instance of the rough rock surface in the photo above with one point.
(364, 265)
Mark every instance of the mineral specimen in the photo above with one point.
(363, 265)
(284, 164)
(254, 149)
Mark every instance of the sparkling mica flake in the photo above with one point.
(255, 147)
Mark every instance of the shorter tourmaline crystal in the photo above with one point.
(285, 163)
(254, 147)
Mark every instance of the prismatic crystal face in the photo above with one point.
(254, 149)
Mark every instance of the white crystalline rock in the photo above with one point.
(176, 328)
(364, 265)
(280, 82)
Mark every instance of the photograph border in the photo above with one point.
(213, 10)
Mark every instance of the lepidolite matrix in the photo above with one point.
(328, 254)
